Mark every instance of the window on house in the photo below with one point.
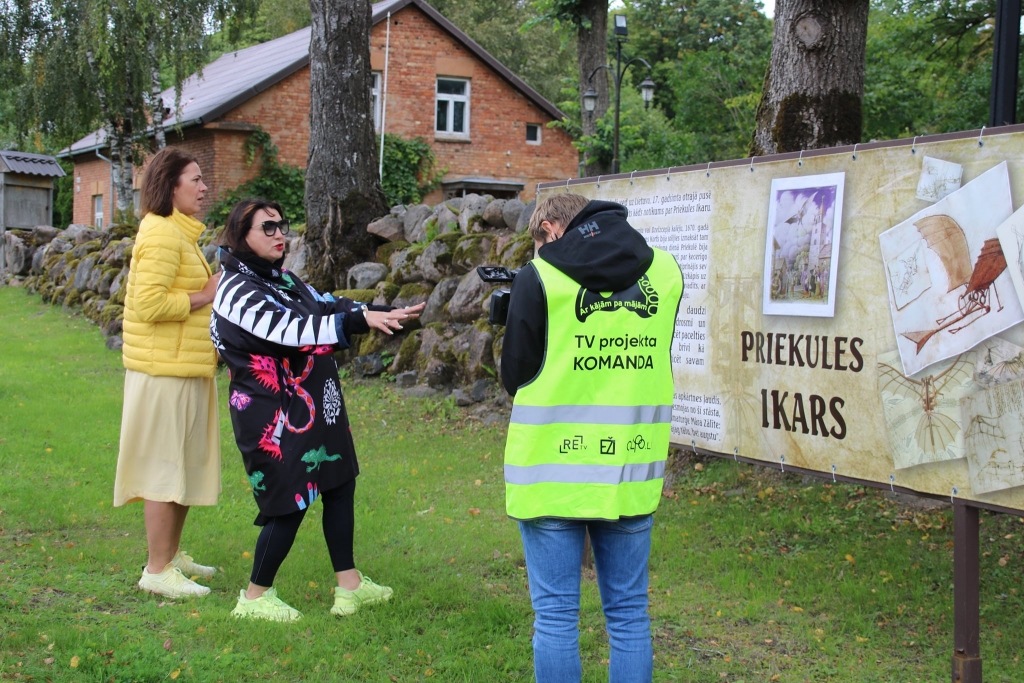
(97, 210)
(533, 133)
(137, 201)
(375, 99)
(452, 106)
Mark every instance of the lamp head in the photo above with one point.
(620, 25)
(590, 100)
(647, 91)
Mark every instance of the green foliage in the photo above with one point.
(929, 66)
(274, 180)
(64, 196)
(409, 169)
(540, 52)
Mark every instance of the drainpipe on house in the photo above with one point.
(384, 96)
(97, 152)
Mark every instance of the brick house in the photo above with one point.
(486, 126)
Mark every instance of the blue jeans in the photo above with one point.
(554, 549)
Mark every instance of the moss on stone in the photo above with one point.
(122, 230)
(110, 313)
(118, 296)
(73, 297)
(364, 295)
(520, 252)
(372, 343)
(414, 290)
(388, 290)
(407, 353)
(385, 251)
(469, 250)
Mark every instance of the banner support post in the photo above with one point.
(966, 595)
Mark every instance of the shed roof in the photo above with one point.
(238, 76)
(32, 164)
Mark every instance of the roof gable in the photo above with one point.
(238, 76)
(31, 164)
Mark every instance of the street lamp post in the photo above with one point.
(646, 87)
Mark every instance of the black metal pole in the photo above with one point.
(966, 594)
(1005, 55)
(618, 100)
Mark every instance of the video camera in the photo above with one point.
(499, 299)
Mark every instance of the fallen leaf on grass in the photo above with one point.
(167, 644)
(861, 640)
(474, 511)
(74, 661)
(699, 467)
(426, 512)
(849, 558)
(246, 555)
(796, 609)
(477, 482)
(175, 674)
(49, 660)
(1003, 560)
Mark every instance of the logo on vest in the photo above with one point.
(638, 443)
(590, 229)
(573, 444)
(608, 446)
(641, 298)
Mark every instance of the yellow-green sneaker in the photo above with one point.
(348, 602)
(267, 606)
(170, 583)
(190, 567)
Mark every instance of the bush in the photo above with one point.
(275, 181)
(409, 169)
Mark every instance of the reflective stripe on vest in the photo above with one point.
(585, 474)
(603, 415)
(589, 435)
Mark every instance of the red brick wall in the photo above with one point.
(92, 176)
(420, 51)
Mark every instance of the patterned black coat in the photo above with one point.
(277, 336)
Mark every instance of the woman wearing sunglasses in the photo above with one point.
(277, 336)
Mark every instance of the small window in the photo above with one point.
(533, 133)
(97, 210)
(452, 106)
(375, 99)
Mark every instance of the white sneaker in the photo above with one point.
(171, 583)
(190, 567)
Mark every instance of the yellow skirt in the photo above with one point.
(170, 441)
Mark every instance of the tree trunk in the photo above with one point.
(343, 191)
(156, 103)
(814, 89)
(123, 170)
(592, 46)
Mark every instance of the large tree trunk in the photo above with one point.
(592, 46)
(814, 89)
(343, 191)
(123, 177)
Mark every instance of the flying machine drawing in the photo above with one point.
(935, 431)
(946, 238)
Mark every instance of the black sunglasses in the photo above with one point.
(270, 227)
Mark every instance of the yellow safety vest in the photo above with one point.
(589, 435)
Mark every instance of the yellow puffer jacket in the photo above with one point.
(161, 336)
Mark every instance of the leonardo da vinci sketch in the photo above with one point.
(949, 288)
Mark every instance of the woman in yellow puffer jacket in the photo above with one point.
(170, 433)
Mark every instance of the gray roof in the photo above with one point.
(32, 164)
(238, 76)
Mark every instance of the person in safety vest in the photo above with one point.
(586, 356)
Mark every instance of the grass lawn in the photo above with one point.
(755, 576)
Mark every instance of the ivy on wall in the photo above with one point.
(275, 181)
(410, 171)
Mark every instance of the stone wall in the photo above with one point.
(428, 254)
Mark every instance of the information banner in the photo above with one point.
(828, 392)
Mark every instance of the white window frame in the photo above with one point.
(97, 210)
(539, 134)
(450, 99)
(375, 98)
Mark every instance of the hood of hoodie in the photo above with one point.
(600, 249)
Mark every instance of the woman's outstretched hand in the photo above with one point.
(389, 321)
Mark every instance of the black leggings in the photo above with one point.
(279, 533)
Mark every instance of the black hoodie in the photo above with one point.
(610, 258)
